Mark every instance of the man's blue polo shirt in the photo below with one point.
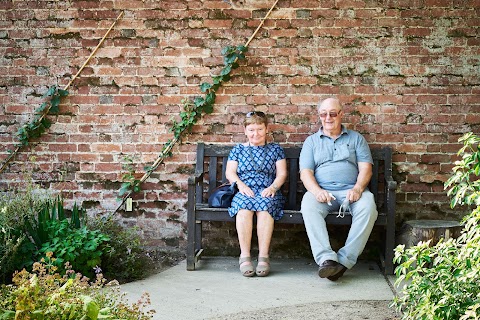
(335, 162)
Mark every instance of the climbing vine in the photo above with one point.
(192, 112)
(51, 105)
(40, 123)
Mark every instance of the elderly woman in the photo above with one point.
(259, 169)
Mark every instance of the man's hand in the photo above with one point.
(324, 196)
(354, 194)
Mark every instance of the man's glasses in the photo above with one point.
(255, 113)
(332, 114)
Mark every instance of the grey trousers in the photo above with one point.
(364, 213)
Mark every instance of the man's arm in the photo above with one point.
(363, 179)
(308, 178)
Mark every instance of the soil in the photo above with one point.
(162, 260)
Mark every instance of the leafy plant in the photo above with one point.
(130, 182)
(45, 294)
(124, 257)
(33, 222)
(462, 189)
(442, 282)
(37, 126)
(78, 246)
(17, 214)
(51, 211)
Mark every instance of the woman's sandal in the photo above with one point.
(263, 270)
(246, 269)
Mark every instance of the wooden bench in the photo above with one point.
(210, 172)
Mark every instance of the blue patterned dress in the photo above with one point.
(257, 169)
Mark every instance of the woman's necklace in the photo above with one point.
(258, 169)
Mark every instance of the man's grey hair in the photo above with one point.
(329, 99)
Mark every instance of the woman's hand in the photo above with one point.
(244, 189)
(268, 192)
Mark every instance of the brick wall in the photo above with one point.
(407, 72)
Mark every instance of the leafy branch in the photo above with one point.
(462, 189)
(40, 123)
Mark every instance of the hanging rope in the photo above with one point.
(45, 112)
(94, 51)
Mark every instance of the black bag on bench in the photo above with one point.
(222, 196)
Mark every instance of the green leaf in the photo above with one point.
(199, 102)
(215, 87)
(242, 48)
(62, 93)
(226, 70)
(55, 101)
(204, 87)
(46, 123)
(210, 99)
(7, 315)
(227, 50)
(90, 307)
(50, 91)
(228, 60)
(124, 189)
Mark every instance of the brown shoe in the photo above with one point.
(338, 275)
(329, 268)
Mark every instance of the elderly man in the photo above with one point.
(335, 168)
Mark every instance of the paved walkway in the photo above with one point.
(293, 290)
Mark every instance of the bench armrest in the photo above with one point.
(195, 178)
(390, 183)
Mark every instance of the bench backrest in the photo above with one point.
(212, 160)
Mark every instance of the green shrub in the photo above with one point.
(124, 257)
(78, 246)
(45, 294)
(443, 281)
(33, 222)
(17, 214)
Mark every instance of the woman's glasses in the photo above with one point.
(332, 114)
(255, 113)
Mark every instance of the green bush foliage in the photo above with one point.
(33, 222)
(124, 257)
(45, 294)
(78, 246)
(17, 214)
(443, 281)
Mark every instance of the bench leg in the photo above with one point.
(191, 237)
(191, 249)
(389, 247)
(194, 246)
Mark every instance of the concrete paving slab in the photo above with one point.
(217, 289)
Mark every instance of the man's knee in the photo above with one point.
(366, 206)
(310, 205)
